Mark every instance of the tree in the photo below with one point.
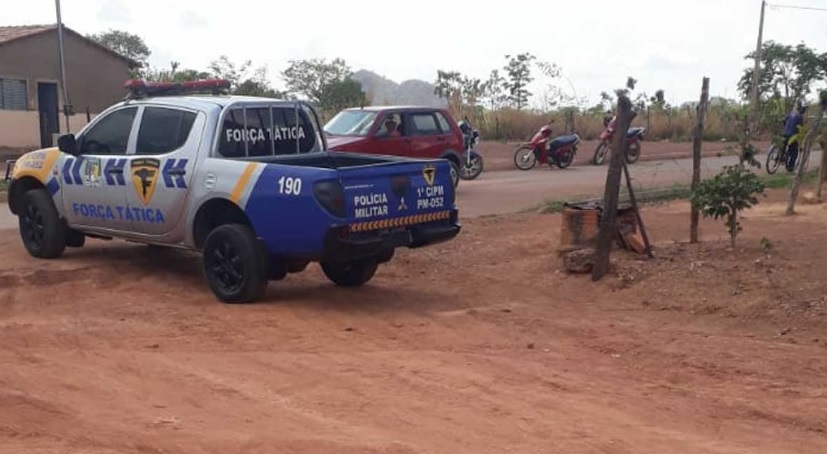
(127, 44)
(519, 76)
(310, 78)
(658, 101)
(174, 74)
(340, 94)
(242, 81)
(727, 194)
(786, 75)
(494, 90)
(449, 85)
(553, 95)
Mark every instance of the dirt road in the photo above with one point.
(481, 345)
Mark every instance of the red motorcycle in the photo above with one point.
(559, 151)
(633, 137)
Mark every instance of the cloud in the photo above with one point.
(668, 61)
(191, 19)
(114, 11)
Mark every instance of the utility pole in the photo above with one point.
(756, 71)
(66, 105)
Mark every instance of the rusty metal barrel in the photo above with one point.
(580, 226)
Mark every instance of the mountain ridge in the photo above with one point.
(384, 91)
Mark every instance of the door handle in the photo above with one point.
(114, 170)
(176, 172)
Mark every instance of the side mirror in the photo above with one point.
(68, 144)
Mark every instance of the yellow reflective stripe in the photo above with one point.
(400, 222)
(243, 180)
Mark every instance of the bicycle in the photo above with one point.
(776, 156)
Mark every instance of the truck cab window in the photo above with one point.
(109, 136)
(163, 130)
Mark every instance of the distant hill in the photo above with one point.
(384, 91)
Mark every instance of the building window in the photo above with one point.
(13, 94)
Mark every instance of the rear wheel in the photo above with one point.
(564, 159)
(633, 153)
(469, 171)
(454, 174)
(773, 160)
(600, 153)
(524, 158)
(235, 265)
(350, 274)
(43, 235)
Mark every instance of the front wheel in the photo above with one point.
(600, 153)
(773, 160)
(235, 265)
(633, 153)
(472, 170)
(43, 235)
(524, 158)
(350, 274)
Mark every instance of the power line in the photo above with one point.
(808, 8)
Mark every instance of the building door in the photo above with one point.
(48, 109)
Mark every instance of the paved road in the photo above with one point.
(510, 191)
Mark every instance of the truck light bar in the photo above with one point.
(140, 89)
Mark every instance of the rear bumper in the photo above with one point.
(343, 245)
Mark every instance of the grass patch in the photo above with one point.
(667, 193)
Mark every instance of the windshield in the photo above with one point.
(350, 123)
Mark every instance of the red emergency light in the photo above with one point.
(139, 88)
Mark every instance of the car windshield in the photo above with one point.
(350, 123)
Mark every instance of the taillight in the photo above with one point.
(331, 196)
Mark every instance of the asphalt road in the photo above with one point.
(502, 192)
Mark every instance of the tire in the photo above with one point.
(524, 158)
(600, 153)
(42, 232)
(564, 159)
(234, 264)
(454, 174)
(633, 153)
(472, 172)
(773, 160)
(350, 274)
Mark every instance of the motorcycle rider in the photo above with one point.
(794, 121)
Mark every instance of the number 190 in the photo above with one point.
(290, 186)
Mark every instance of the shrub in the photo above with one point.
(727, 194)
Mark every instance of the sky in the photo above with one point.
(664, 44)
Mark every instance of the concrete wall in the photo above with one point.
(19, 129)
(95, 77)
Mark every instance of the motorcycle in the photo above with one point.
(559, 151)
(633, 137)
(472, 164)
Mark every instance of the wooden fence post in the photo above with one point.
(697, 140)
(620, 147)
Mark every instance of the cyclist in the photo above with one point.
(792, 129)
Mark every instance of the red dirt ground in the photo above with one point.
(479, 345)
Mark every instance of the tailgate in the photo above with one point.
(397, 194)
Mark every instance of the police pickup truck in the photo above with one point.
(246, 181)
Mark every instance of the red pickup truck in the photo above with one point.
(416, 132)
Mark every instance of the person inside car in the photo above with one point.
(390, 128)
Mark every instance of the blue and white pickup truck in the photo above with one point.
(247, 181)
